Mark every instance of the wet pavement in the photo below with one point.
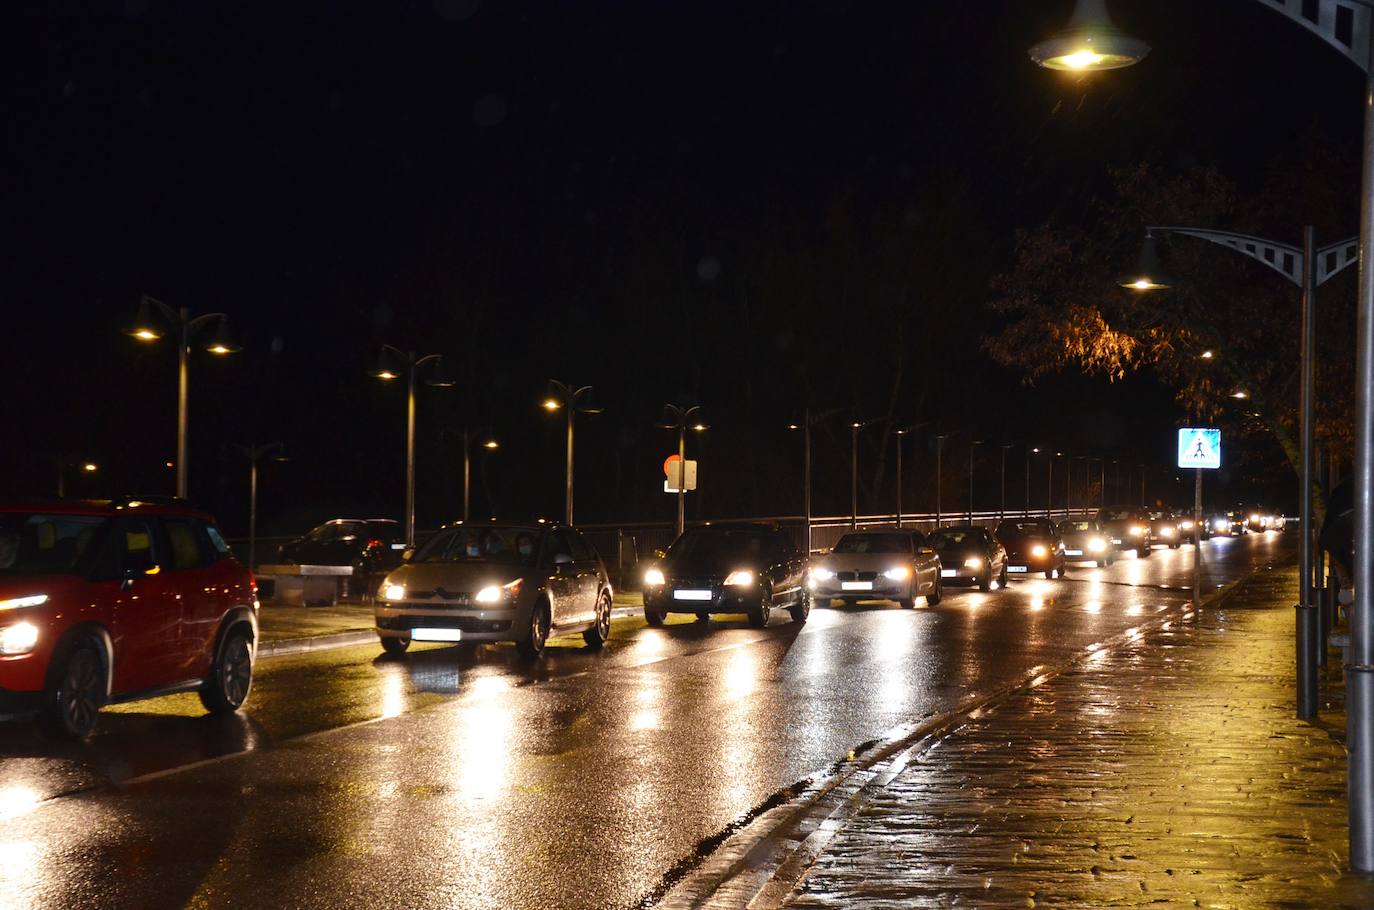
(469, 778)
(1169, 770)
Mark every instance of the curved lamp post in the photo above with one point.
(1307, 269)
(565, 397)
(186, 328)
(392, 364)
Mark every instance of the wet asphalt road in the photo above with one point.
(470, 779)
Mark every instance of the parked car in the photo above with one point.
(1128, 528)
(877, 565)
(1164, 529)
(728, 568)
(969, 555)
(103, 602)
(1086, 541)
(1033, 545)
(370, 545)
(484, 583)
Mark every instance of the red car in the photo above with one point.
(103, 602)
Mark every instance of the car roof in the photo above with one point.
(103, 507)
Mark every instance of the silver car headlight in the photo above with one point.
(1097, 545)
(495, 594)
(393, 592)
(973, 562)
(897, 573)
(654, 578)
(821, 573)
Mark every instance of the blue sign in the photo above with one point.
(1199, 447)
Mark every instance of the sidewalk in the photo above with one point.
(1168, 771)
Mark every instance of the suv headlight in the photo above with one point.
(1166, 532)
(393, 592)
(973, 562)
(19, 638)
(821, 573)
(654, 578)
(1097, 545)
(1137, 530)
(897, 573)
(740, 578)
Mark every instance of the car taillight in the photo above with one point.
(374, 544)
(253, 583)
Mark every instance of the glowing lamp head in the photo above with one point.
(551, 404)
(1089, 43)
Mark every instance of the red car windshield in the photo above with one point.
(37, 544)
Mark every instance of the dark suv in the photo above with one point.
(729, 568)
(103, 602)
(370, 545)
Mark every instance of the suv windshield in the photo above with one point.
(941, 540)
(502, 546)
(1023, 528)
(717, 543)
(35, 544)
(1117, 514)
(1077, 526)
(874, 543)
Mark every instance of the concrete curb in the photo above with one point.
(758, 862)
(288, 646)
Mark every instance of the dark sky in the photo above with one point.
(742, 206)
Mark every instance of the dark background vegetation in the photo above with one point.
(751, 207)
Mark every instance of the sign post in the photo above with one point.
(1199, 448)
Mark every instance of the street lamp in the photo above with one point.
(87, 467)
(681, 418)
(1030, 450)
(255, 454)
(392, 363)
(566, 397)
(808, 421)
(186, 328)
(973, 444)
(901, 432)
(489, 445)
(1090, 42)
(1002, 510)
(854, 428)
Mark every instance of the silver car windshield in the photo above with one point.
(492, 545)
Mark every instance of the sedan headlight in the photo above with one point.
(740, 578)
(1039, 551)
(654, 578)
(394, 592)
(897, 573)
(19, 638)
(1186, 525)
(1222, 524)
(1166, 532)
(1136, 531)
(1097, 545)
(32, 600)
(495, 594)
(1254, 518)
(821, 573)
(973, 562)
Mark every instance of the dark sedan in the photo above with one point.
(1085, 541)
(1033, 545)
(1128, 528)
(370, 545)
(969, 556)
(735, 568)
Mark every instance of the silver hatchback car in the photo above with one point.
(497, 583)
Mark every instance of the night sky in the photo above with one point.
(748, 206)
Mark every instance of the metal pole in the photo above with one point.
(971, 447)
(467, 477)
(899, 480)
(1068, 486)
(681, 473)
(410, 452)
(1028, 455)
(806, 475)
(61, 478)
(253, 509)
(1320, 589)
(1049, 488)
(1142, 486)
(1308, 619)
(1360, 666)
(854, 476)
(568, 510)
(939, 475)
(1197, 538)
(1002, 510)
(183, 396)
(1102, 484)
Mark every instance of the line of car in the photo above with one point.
(116, 600)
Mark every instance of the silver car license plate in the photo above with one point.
(856, 586)
(1073, 552)
(688, 594)
(436, 634)
(1015, 569)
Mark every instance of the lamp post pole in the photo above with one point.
(854, 428)
(972, 446)
(939, 475)
(566, 396)
(1002, 510)
(1049, 486)
(900, 434)
(677, 417)
(255, 453)
(1029, 452)
(186, 328)
(411, 363)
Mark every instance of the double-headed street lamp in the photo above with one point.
(186, 328)
(567, 397)
(256, 453)
(392, 364)
(488, 444)
(1348, 27)
(682, 418)
(1308, 269)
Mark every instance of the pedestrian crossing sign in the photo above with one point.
(1199, 447)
